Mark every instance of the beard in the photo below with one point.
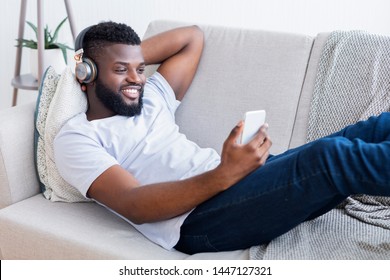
(115, 102)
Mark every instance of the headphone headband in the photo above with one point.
(80, 39)
(86, 70)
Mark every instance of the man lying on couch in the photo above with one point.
(127, 154)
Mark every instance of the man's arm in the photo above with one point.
(119, 190)
(179, 51)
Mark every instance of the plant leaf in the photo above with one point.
(27, 43)
(49, 39)
(55, 34)
(63, 49)
(61, 45)
(33, 28)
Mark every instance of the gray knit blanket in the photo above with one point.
(352, 83)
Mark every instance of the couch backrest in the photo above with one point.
(243, 70)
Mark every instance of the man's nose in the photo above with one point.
(134, 77)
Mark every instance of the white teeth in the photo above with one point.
(131, 91)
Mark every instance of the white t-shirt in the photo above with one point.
(149, 146)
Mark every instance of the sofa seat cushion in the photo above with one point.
(41, 229)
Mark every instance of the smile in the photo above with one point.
(131, 93)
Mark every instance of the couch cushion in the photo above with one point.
(45, 95)
(243, 70)
(60, 98)
(41, 229)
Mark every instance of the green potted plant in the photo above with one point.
(55, 53)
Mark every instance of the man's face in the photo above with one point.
(121, 79)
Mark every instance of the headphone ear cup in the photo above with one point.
(86, 71)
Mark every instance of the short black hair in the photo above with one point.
(107, 33)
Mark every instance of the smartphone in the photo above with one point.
(253, 121)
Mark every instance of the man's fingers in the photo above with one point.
(236, 132)
(260, 136)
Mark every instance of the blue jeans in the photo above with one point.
(293, 187)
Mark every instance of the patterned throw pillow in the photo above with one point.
(60, 98)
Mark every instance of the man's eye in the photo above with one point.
(120, 70)
(141, 70)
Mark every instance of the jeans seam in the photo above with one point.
(205, 238)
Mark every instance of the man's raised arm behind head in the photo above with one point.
(179, 51)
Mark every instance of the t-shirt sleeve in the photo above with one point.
(80, 159)
(161, 86)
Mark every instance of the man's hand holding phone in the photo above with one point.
(253, 120)
(239, 159)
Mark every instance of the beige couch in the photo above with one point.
(240, 70)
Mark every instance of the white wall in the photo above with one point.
(298, 16)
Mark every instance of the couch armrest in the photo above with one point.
(18, 178)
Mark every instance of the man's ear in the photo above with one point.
(83, 87)
(90, 87)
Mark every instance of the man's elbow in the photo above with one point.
(198, 34)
